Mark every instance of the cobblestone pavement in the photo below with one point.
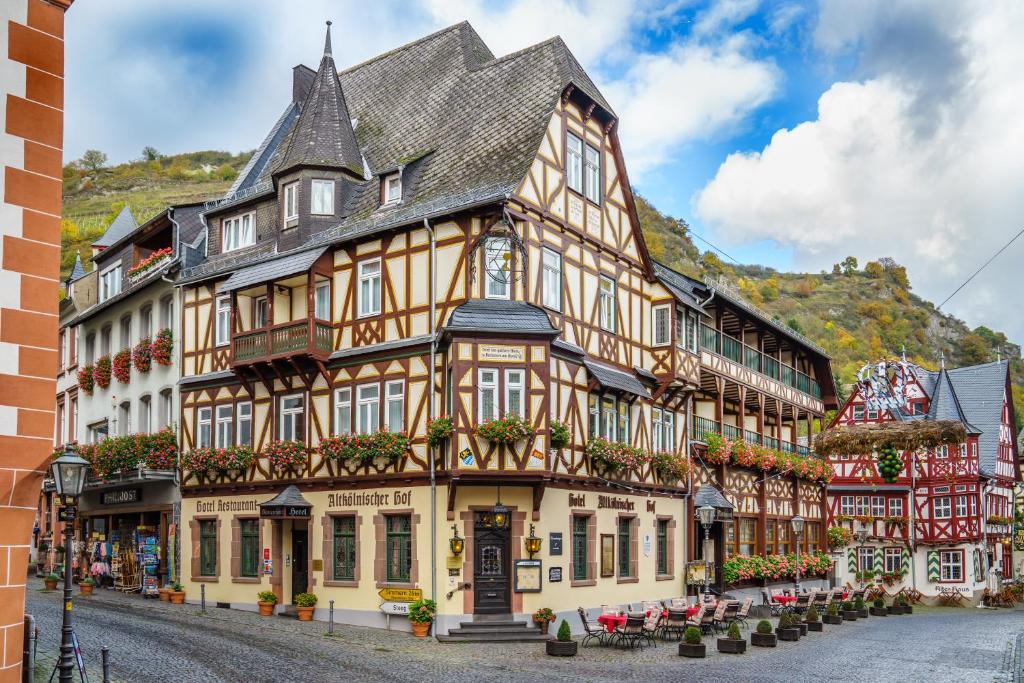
(153, 641)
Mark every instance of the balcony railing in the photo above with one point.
(309, 336)
(703, 426)
(738, 352)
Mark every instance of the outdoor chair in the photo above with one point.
(632, 632)
(801, 604)
(707, 621)
(652, 606)
(821, 599)
(676, 623)
(718, 622)
(597, 633)
(744, 612)
(766, 601)
(697, 618)
(652, 622)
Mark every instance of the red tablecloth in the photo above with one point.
(610, 621)
(690, 611)
(784, 599)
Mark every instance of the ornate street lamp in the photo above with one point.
(706, 515)
(532, 543)
(798, 530)
(69, 471)
(456, 542)
(499, 514)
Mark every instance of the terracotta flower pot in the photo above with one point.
(305, 613)
(50, 585)
(86, 588)
(420, 629)
(177, 597)
(267, 609)
(543, 626)
(165, 594)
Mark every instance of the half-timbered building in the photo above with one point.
(943, 520)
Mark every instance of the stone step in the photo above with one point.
(488, 625)
(459, 636)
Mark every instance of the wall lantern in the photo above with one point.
(499, 514)
(456, 542)
(532, 543)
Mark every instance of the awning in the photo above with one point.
(709, 495)
(610, 378)
(289, 504)
(268, 271)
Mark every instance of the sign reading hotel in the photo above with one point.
(610, 502)
(502, 353)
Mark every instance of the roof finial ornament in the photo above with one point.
(903, 352)
(327, 43)
(942, 359)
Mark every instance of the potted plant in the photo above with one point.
(763, 636)
(900, 605)
(266, 601)
(50, 581)
(832, 616)
(811, 620)
(692, 645)
(86, 585)
(164, 592)
(177, 594)
(421, 616)
(794, 622)
(542, 618)
(562, 645)
(786, 630)
(305, 603)
(861, 607)
(733, 643)
(849, 613)
(878, 608)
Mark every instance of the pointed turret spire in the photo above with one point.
(78, 270)
(327, 43)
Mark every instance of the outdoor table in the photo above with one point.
(784, 599)
(610, 621)
(690, 611)
(846, 595)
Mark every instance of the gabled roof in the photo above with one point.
(123, 225)
(980, 390)
(683, 288)
(945, 405)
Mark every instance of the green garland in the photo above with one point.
(889, 464)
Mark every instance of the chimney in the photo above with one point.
(302, 79)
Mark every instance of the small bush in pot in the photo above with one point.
(786, 630)
(305, 603)
(832, 615)
(562, 645)
(50, 580)
(692, 645)
(733, 643)
(266, 601)
(861, 607)
(763, 636)
(812, 620)
(542, 618)
(878, 608)
(177, 594)
(850, 613)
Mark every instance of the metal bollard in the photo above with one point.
(31, 639)
(105, 655)
(202, 598)
(330, 619)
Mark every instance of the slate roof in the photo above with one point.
(709, 495)
(980, 390)
(685, 289)
(610, 378)
(945, 405)
(77, 270)
(499, 315)
(123, 225)
(271, 270)
(290, 497)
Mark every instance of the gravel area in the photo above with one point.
(154, 641)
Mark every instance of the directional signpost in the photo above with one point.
(396, 601)
(400, 608)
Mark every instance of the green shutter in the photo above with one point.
(879, 562)
(933, 566)
(852, 557)
(906, 561)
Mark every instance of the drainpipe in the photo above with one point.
(689, 488)
(913, 519)
(431, 409)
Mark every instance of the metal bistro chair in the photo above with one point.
(598, 633)
(707, 621)
(821, 599)
(766, 600)
(676, 622)
(632, 632)
(718, 618)
(652, 622)
(744, 612)
(697, 619)
(802, 602)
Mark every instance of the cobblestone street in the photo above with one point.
(153, 641)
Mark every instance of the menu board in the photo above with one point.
(527, 576)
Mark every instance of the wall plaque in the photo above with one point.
(554, 574)
(555, 543)
(502, 353)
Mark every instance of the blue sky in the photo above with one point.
(788, 133)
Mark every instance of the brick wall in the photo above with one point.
(31, 140)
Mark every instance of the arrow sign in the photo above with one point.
(399, 608)
(400, 594)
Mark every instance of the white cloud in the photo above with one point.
(920, 160)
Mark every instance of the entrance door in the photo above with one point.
(300, 567)
(491, 570)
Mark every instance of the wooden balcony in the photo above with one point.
(308, 337)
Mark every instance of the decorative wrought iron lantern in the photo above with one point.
(456, 542)
(532, 542)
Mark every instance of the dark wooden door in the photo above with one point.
(300, 565)
(491, 571)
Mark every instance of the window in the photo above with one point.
(782, 531)
(942, 452)
(145, 423)
(863, 505)
(292, 425)
(291, 202)
(607, 297)
(126, 332)
(342, 411)
(73, 424)
(866, 558)
(59, 436)
(663, 433)
(846, 505)
(394, 405)
(398, 547)
(592, 175)
(497, 261)
(878, 506)
(207, 547)
(574, 162)
(322, 201)
(105, 335)
(166, 408)
(223, 321)
(580, 564)
(203, 428)
(940, 506)
(90, 348)
(974, 505)
(951, 565)
(124, 418)
(872, 414)
(167, 312)
(369, 288)
(368, 408)
(259, 312)
(225, 426)
(691, 331)
(73, 346)
(858, 413)
(552, 280)
(623, 426)
(322, 301)
(812, 536)
(661, 531)
(62, 348)
(487, 394)
(238, 232)
(514, 393)
(392, 188)
(244, 433)
(896, 507)
(110, 282)
(893, 559)
(345, 548)
(249, 551)
(662, 325)
(961, 506)
(608, 415)
(594, 413)
(625, 545)
(146, 322)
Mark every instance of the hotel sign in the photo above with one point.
(502, 353)
(120, 497)
(285, 511)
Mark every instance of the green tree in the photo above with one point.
(973, 349)
(874, 269)
(795, 325)
(93, 160)
(226, 172)
(150, 154)
(849, 265)
(837, 269)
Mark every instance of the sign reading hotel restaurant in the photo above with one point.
(120, 497)
(400, 594)
(501, 353)
(227, 505)
(284, 512)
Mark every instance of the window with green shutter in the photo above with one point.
(624, 546)
(208, 547)
(249, 530)
(579, 548)
(345, 548)
(663, 546)
(398, 545)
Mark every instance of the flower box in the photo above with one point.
(788, 633)
(878, 611)
(833, 619)
(733, 647)
(814, 626)
(561, 648)
(695, 651)
(803, 628)
(863, 613)
(850, 615)
(763, 639)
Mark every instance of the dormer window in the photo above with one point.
(391, 185)
(291, 204)
(321, 200)
(238, 232)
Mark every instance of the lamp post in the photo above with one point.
(69, 479)
(706, 515)
(798, 530)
